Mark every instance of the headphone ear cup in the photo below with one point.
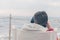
(32, 20)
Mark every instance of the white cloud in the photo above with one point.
(54, 4)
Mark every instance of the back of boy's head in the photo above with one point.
(41, 18)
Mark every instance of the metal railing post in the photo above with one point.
(10, 27)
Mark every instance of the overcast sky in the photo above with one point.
(29, 7)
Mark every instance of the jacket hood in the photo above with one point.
(33, 27)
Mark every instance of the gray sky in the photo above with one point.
(29, 7)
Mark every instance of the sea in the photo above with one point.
(19, 21)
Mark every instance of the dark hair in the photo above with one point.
(41, 18)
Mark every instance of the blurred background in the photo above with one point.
(22, 12)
